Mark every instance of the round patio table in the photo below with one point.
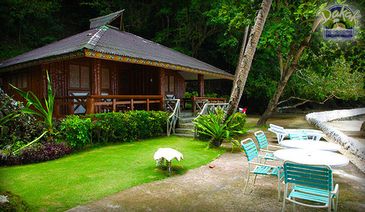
(312, 157)
(312, 145)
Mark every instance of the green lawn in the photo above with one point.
(90, 175)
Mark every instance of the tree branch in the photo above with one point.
(303, 101)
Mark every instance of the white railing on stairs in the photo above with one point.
(172, 105)
(210, 108)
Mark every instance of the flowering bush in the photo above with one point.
(22, 128)
(37, 153)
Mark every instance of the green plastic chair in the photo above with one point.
(264, 145)
(311, 185)
(257, 168)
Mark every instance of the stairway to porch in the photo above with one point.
(185, 126)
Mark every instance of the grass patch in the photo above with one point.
(90, 175)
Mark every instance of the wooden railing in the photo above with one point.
(109, 103)
(199, 102)
(67, 105)
(172, 105)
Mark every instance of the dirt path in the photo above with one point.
(221, 189)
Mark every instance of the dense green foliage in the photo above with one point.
(209, 30)
(16, 128)
(76, 131)
(112, 127)
(91, 175)
(217, 129)
(15, 203)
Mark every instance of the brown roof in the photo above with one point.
(112, 41)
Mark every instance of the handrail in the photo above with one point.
(172, 119)
(200, 101)
(209, 107)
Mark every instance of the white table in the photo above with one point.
(167, 154)
(312, 145)
(312, 157)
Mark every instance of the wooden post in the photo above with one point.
(162, 92)
(132, 104)
(114, 105)
(148, 104)
(114, 79)
(95, 78)
(193, 104)
(90, 107)
(201, 84)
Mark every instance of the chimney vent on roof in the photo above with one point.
(114, 20)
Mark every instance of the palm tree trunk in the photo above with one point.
(245, 61)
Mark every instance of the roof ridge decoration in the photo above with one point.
(107, 20)
(96, 37)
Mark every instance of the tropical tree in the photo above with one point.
(289, 33)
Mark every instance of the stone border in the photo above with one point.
(320, 119)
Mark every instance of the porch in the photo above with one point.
(88, 85)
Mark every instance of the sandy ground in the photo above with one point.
(221, 188)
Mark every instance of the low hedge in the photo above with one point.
(38, 152)
(79, 131)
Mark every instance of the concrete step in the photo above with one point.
(184, 135)
(184, 131)
(186, 125)
(186, 114)
(186, 120)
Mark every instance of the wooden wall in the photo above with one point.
(26, 79)
(89, 76)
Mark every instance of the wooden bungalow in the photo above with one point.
(106, 68)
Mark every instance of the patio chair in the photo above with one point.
(278, 131)
(306, 134)
(311, 185)
(264, 145)
(298, 136)
(258, 168)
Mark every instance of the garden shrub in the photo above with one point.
(129, 126)
(215, 127)
(76, 131)
(21, 129)
(37, 153)
(13, 202)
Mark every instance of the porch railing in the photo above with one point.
(112, 103)
(172, 105)
(67, 105)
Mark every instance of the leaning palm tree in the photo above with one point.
(246, 57)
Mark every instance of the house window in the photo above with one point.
(79, 76)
